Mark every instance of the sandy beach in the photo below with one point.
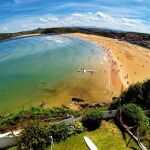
(117, 65)
(26, 35)
(129, 63)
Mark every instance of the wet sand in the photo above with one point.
(42, 70)
(26, 35)
(130, 62)
(87, 86)
(124, 65)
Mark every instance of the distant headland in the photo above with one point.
(141, 39)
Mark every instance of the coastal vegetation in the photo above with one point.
(39, 124)
(134, 101)
(92, 119)
(103, 137)
(42, 126)
(141, 39)
(138, 94)
(134, 115)
(107, 137)
(39, 136)
(21, 119)
(37, 133)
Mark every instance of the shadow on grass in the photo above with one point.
(123, 134)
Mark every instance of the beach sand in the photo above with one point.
(87, 86)
(130, 62)
(126, 64)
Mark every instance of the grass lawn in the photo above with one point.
(107, 137)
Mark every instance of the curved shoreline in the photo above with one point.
(125, 60)
(116, 82)
(20, 36)
(90, 86)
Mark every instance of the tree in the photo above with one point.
(92, 119)
(138, 93)
(133, 115)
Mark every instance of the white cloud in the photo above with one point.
(23, 26)
(103, 15)
(53, 19)
(70, 5)
(98, 19)
(43, 20)
(24, 1)
(4, 29)
(49, 19)
(77, 15)
(130, 22)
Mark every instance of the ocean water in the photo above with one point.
(26, 62)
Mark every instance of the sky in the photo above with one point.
(126, 15)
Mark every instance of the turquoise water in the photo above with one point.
(25, 62)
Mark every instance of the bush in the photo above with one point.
(34, 113)
(59, 131)
(138, 93)
(37, 136)
(78, 127)
(92, 119)
(34, 137)
(133, 115)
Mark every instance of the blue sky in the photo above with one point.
(128, 15)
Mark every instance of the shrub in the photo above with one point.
(92, 119)
(138, 93)
(37, 136)
(59, 131)
(78, 127)
(34, 113)
(133, 115)
(34, 137)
